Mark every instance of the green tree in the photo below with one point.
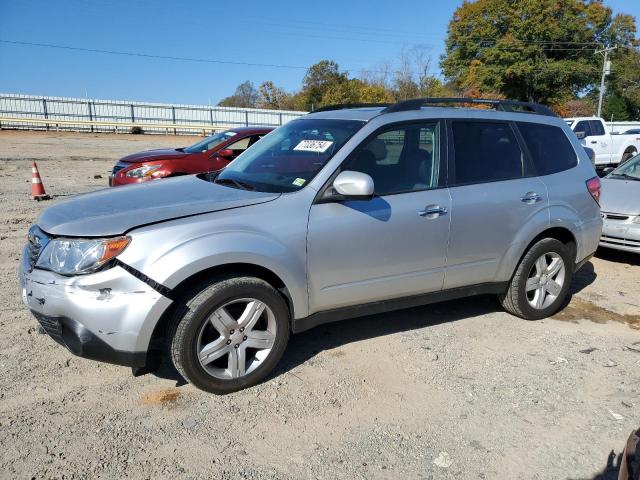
(245, 96)
(356, 91)
(319, 79)
(535, 50)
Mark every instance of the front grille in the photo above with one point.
(614, 216)
(51, 325)
(37, 241)
(624, 242)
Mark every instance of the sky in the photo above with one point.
(260, 40)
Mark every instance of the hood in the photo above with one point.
(114, 211)
(158, 154)
(620, 196)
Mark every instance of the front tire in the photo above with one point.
(230, 334)
(540, 285)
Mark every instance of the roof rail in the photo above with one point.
(342, 106)
(501, 105)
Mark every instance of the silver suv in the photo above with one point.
(344, 212)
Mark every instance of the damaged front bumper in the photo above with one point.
(108, 316)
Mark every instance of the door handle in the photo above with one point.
(433, 211)
(531, 198)
(594, 141)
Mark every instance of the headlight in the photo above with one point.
(71, 256)
(144, 171)
(637, 219)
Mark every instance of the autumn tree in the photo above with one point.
(532, 50)
(245, 96)
(273, 97)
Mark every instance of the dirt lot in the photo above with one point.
(453, 390)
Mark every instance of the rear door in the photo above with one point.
(595, 138)
(494, 193)
(394, 245)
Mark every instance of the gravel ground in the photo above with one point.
(453, 390)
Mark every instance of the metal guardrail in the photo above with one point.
(117, 126)
(102, 115)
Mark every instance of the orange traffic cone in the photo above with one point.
(37, 188)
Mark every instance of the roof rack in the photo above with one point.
(501, 105)
(342, 106)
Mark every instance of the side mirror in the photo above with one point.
(226, 153)
(580, 135)
(354, 185)
(607, 171)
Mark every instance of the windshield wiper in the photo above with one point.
(235, 183)
(625, 175)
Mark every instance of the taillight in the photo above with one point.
(593, 185)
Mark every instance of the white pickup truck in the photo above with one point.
(610, 148)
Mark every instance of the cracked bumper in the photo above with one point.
(108, 316)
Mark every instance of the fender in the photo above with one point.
(534, 226)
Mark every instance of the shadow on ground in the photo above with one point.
(618, 256)
(609, 471)
(306, 345)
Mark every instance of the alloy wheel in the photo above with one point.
(236, 338)
(545, 281)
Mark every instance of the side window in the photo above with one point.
(584, 127)
(485, 152)
(596, 128)
(549, 147)
(402, 159)
(254, 139)
(240, 146)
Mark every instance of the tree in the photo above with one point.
(532, 50)
(320, 78)
(245, 96)
(356, 91)
(273, 97)
(623, 85)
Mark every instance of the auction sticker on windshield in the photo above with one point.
(319, 146)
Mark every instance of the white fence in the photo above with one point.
(128, 113)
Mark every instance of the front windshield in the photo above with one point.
(289, 157)
(629, 169)
(208, 143)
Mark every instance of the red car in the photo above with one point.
(210, 154)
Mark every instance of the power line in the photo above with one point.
(148, 55)
(171, 57)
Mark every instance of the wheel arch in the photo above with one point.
(518, 250)
(160, 331)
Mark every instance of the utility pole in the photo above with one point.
(606, 70)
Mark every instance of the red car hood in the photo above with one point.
(151, 155)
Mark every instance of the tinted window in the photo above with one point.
(596, 128)
(583, 127)
(550, 148)
(485, 152)
(400, 160)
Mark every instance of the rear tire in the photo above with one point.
(229, 334)
(541, 282)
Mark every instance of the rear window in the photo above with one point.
(485, 152)
(550, 148)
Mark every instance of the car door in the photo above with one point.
(393, 245)
(493, 196)
(594, 137)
